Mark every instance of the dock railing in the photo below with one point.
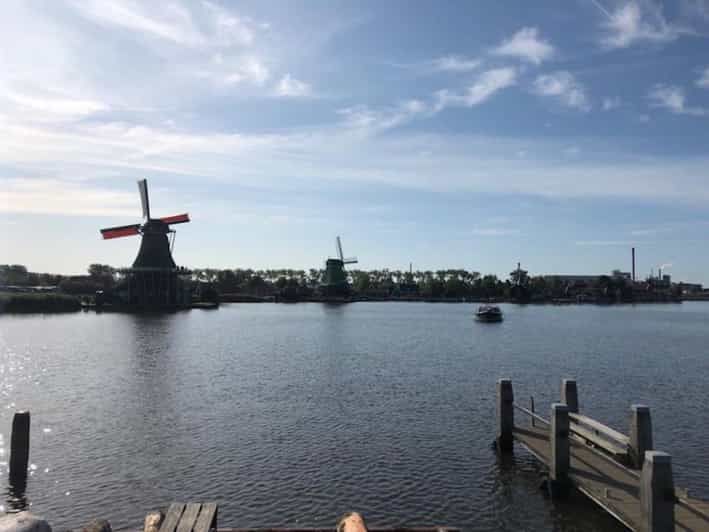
(632, 454)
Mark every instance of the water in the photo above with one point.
(293, 414)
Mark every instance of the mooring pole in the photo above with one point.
(531, 407)
(570, 395)
(560, 452)
(19, 448)
(657, 493)
(505, 415)
(640, 434)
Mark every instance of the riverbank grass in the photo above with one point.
(14, 302)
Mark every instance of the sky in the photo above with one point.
(446, 134)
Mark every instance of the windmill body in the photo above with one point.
(154, 281)
(335, 281)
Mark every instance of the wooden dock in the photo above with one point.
(634, 487)
(202, 517)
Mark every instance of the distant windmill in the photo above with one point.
(153, 277)
(335, 282)
(351, 260)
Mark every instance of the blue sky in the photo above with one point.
(458, 134)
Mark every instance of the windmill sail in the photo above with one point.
(339, 249)
(144, 200)
(176, 219)
(341, 256)
(120, 231)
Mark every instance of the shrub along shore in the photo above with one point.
(11, 302)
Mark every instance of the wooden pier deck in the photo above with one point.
(202, 517)
(622, 474)
(613, 487)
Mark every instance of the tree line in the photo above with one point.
(383, 283)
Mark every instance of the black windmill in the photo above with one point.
(153, 280)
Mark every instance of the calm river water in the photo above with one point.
(293, 414)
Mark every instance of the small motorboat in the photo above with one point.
(488, 313)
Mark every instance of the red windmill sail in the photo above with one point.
(123, 230)
(176, 219)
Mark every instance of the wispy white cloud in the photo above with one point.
(290, 87)
(495, 231)
(634, 22)
(603, 243)
(611, 103)
(54, 196)
(234, 70)
(484, 87)
(174, 24)
(564, 87)
(486, 84)
(703, 80)
(113, 153)
(227, 29)
(455, 63)
(526, 44)
(364, 118)
(652, 231)
(172, 52)
(170, 21)
(45, 105)
(672, 98)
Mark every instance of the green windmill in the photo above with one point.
(335, 282)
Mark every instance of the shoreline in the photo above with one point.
(52, 309)
(56, 303)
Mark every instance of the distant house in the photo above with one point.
(408, 289)
(690, 288)
(572, 279)
(586, 280)
(617, 274)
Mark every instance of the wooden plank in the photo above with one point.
(370, 529)
(607, 445)
(173, 517)
(207, 519)
(189, 517)
(591, 475)
(600, 427)
(532, 414)
(615, 488)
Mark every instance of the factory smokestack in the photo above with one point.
(633, 253)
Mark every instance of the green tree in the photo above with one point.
(489, 285)
(361, 281)
(13, 274)
(519, 277)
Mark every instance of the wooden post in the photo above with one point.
(531, 407)
(569, 395)
(640, 434)
(19, 448)
(560, 452)
(505, 415)
(657, 493)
